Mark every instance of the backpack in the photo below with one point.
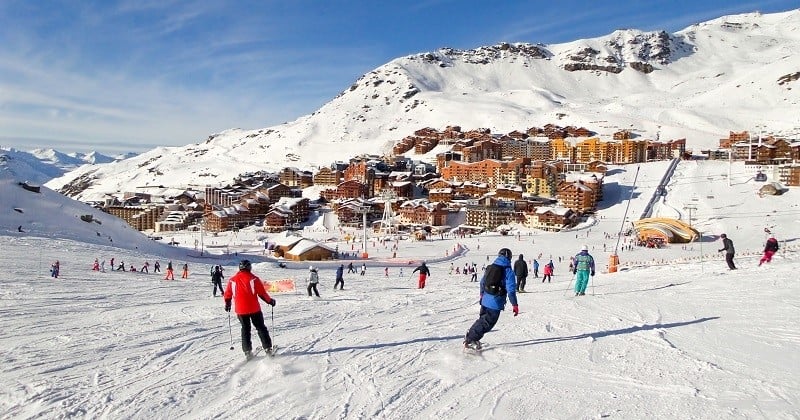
(582, 262)
(494, 280)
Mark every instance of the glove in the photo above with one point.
(592, 273)
(271, 302)
(516, 310)
(720, 250)
(227, 306)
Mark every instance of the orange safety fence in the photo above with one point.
(279, 286)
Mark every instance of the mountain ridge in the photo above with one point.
(699, 83)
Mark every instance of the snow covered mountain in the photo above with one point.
(733, 73)
(41, 165)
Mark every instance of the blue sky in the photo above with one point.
(130, 75)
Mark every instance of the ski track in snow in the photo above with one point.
(679, 340)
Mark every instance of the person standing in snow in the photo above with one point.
(363, 268)
(497, 285)
(313, 279)
(339, 278)
(535, 268)
(521, 271)
(216, 279)
(727, 246)
(145, 267)
(424, 272)
(156, 267)
(55, 268)
(185, 273)
(769, 250)
(170, 273)
(582, 267)
(350, 268)
(244, 289)
(547, 273)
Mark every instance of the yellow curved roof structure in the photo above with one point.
(670, 230)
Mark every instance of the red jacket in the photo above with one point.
(245, 289)
(548, 270)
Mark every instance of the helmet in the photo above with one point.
(310, 268)
(585, 248)
(723, 236)
(245, 265)
(505, 252)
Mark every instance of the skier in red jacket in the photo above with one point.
(244, 289)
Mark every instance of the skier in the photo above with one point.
(103, 266)
(583, 265)
(170, 274)
(474, 271)
(121, 266)
(727, 246)
(146, 267)
(244, 289)
(363, 268)
(424, 272)
(156, 267)
(350, 268)
(96, 265)
(339, 277)
(185, 274)
(313, 279)
(521, 271)
(497, 284)
(535, 268)
(769, 250)
(216, 279)
(547, 274)
(55, 268)
(112, 263)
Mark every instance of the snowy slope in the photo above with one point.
(673, 334)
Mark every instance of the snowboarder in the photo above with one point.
(424, 272)
(244, 289)
(313, 279)
(170, 273)
(521, 271)
(185, 273)
(216, 279)
(339, 277)
(727, 246)
(769, 250)
(497, 284)
(582, 266)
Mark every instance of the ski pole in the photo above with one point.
(569, 284)
(230, 331)
(272, 326)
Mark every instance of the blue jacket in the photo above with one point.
(340, 272)
(498, 303)
(535, 265)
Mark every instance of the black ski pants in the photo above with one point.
(485, 322)
(340, 283)
(257, 319)
(521, 282)
(217, 283)
(729, 260)
(313, 286)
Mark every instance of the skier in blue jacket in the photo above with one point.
(493, 299)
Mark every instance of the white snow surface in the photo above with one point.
(673, 334)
